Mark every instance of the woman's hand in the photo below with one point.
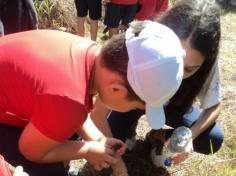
(181, 156)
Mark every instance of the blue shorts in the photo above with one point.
(119, 13)
(94, 7)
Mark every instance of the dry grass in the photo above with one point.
(56, 14)
(222, 163)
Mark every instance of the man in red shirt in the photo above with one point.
(48, 79)
(47, 92)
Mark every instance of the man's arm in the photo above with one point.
(99, 117)
(89, 131)
(37, 147)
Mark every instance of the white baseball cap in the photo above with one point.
(155, 67)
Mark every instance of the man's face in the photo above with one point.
(112, 90)
(120, 103)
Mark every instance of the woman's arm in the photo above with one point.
(206, 119)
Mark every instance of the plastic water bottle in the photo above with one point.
(179, 141)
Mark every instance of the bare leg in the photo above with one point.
(93, 29)
(80, 25)
(113, 31)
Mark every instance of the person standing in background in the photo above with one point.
(94, 8)
(118, 15)
(17, 15)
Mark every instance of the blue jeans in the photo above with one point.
(123, 126)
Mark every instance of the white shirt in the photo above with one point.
(210, 94)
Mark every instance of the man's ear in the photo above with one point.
(117, 89)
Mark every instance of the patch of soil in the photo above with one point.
(137, 161)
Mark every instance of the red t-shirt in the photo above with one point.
(125, 2)
(44, 78)
(151, 9)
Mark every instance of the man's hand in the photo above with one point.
(117, 145)
(99, 156)
(104, 153)
(119, 169)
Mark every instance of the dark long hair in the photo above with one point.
(199, 22)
